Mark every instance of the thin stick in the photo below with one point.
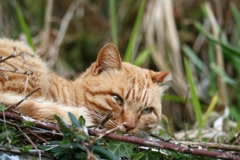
(11, 56)
(38, 136)
(104, 121)
(90, 155)
(209, 145)
(24, 98)
(15, 71)
(5, 127)
(30, 141)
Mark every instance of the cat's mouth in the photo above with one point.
(113, 125)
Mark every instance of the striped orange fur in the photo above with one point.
(131, 93)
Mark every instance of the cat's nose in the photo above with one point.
(129, 126)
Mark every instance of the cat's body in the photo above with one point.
(132, 94)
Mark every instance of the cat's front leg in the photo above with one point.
(45, 111)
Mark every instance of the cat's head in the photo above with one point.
(131, 93)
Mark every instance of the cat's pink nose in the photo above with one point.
(129, 126)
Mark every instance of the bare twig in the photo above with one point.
(15, 71)
(5, 126)
(7, 122)
(38, 136)
(30, 141)
(24, 98)
(90, 155)
(209, 145)
(102, 134)
(38, 124)
(105, 119)
(11, 56)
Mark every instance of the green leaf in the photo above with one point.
(121, 149)
(58, 153)
(129, 50)
(2, 108)
(143, 56)
(149, 155)
(81, 155)
(66, 146)
(28, 123)
(4, 135)
(24, 25)
(81, 121)
(73, 119)
(77, 145)
(26, 149)
(137, 156)
(81, 136)
(113, 20)
(195, 101)
(104, 153)
(63, 126)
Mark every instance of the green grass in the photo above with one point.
(130, 46)
(24, 25)
(194, 97)
(113, 21)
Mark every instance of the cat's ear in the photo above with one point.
(161, 77)
(108, 58)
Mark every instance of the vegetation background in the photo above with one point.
(197, 40)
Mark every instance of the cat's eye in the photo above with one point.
(147, 110)
(118, 100)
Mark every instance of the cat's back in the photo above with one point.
(21, 69)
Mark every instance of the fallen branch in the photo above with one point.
(165, 145)
(144, 142)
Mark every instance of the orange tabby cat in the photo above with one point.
(132, 94)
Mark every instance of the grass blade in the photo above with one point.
(210, 109)
(128, 54)
(113, 20)
(236, 15)
(24, 25)
(195, 101)
(190, 53)
(222, 74)
(226, 47)
(143, 56)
